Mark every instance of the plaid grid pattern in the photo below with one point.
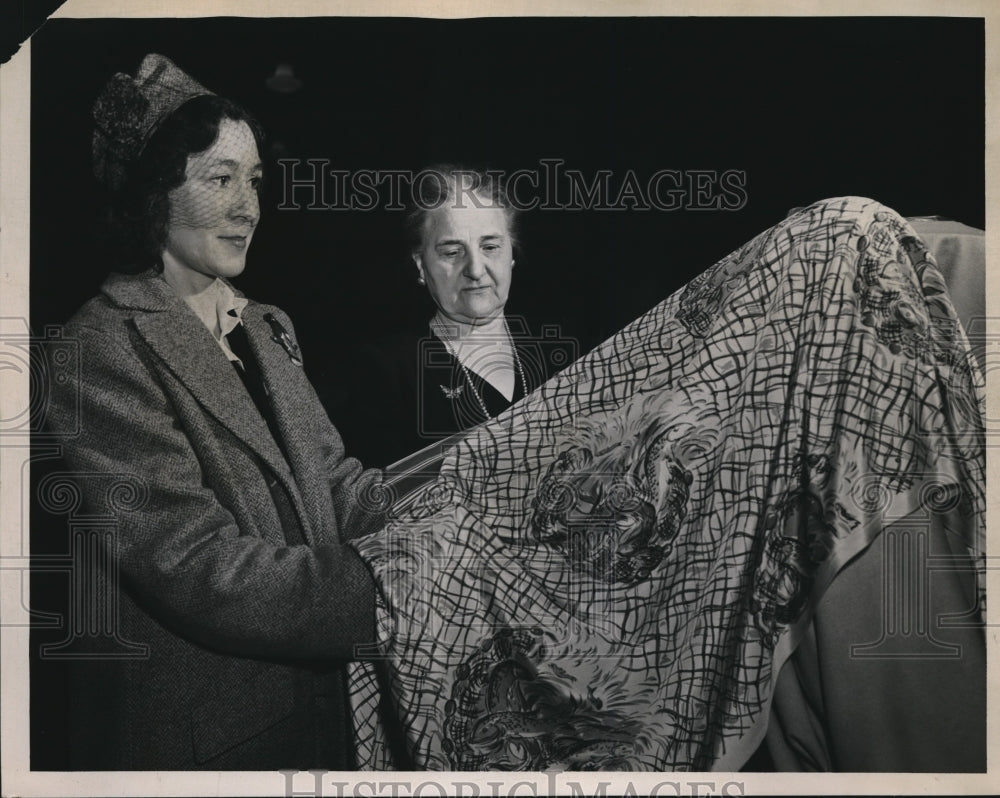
(611, 574)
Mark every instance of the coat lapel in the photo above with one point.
(291, 396)
(180, 340)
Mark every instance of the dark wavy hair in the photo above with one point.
(138, 213)
(437, 185)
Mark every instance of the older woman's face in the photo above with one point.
(214, 212)
(466, 260)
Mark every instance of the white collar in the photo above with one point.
(489, 334)
(220, 310)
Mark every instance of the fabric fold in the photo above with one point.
(611, 574)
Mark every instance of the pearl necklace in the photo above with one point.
(446, 339)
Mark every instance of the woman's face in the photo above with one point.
(466, 261)
(214, 212)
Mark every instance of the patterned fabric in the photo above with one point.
(611, 574)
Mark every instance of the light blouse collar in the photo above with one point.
(220, 310)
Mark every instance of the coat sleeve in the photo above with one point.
(179, 550)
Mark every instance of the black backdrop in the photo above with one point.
(807, 108)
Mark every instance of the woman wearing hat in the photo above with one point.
(229, 559)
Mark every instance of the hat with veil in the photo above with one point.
(130, 110)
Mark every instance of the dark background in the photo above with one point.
(808, 108)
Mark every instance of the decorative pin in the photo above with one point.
(452, 393)
(281, 336)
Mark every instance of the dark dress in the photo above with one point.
(408, 392)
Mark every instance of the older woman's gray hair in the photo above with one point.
(444, 184)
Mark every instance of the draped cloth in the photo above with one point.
(611, 574)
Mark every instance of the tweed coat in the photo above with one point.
(246, 634)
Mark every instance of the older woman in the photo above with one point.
(471, 362)
(230, 566)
